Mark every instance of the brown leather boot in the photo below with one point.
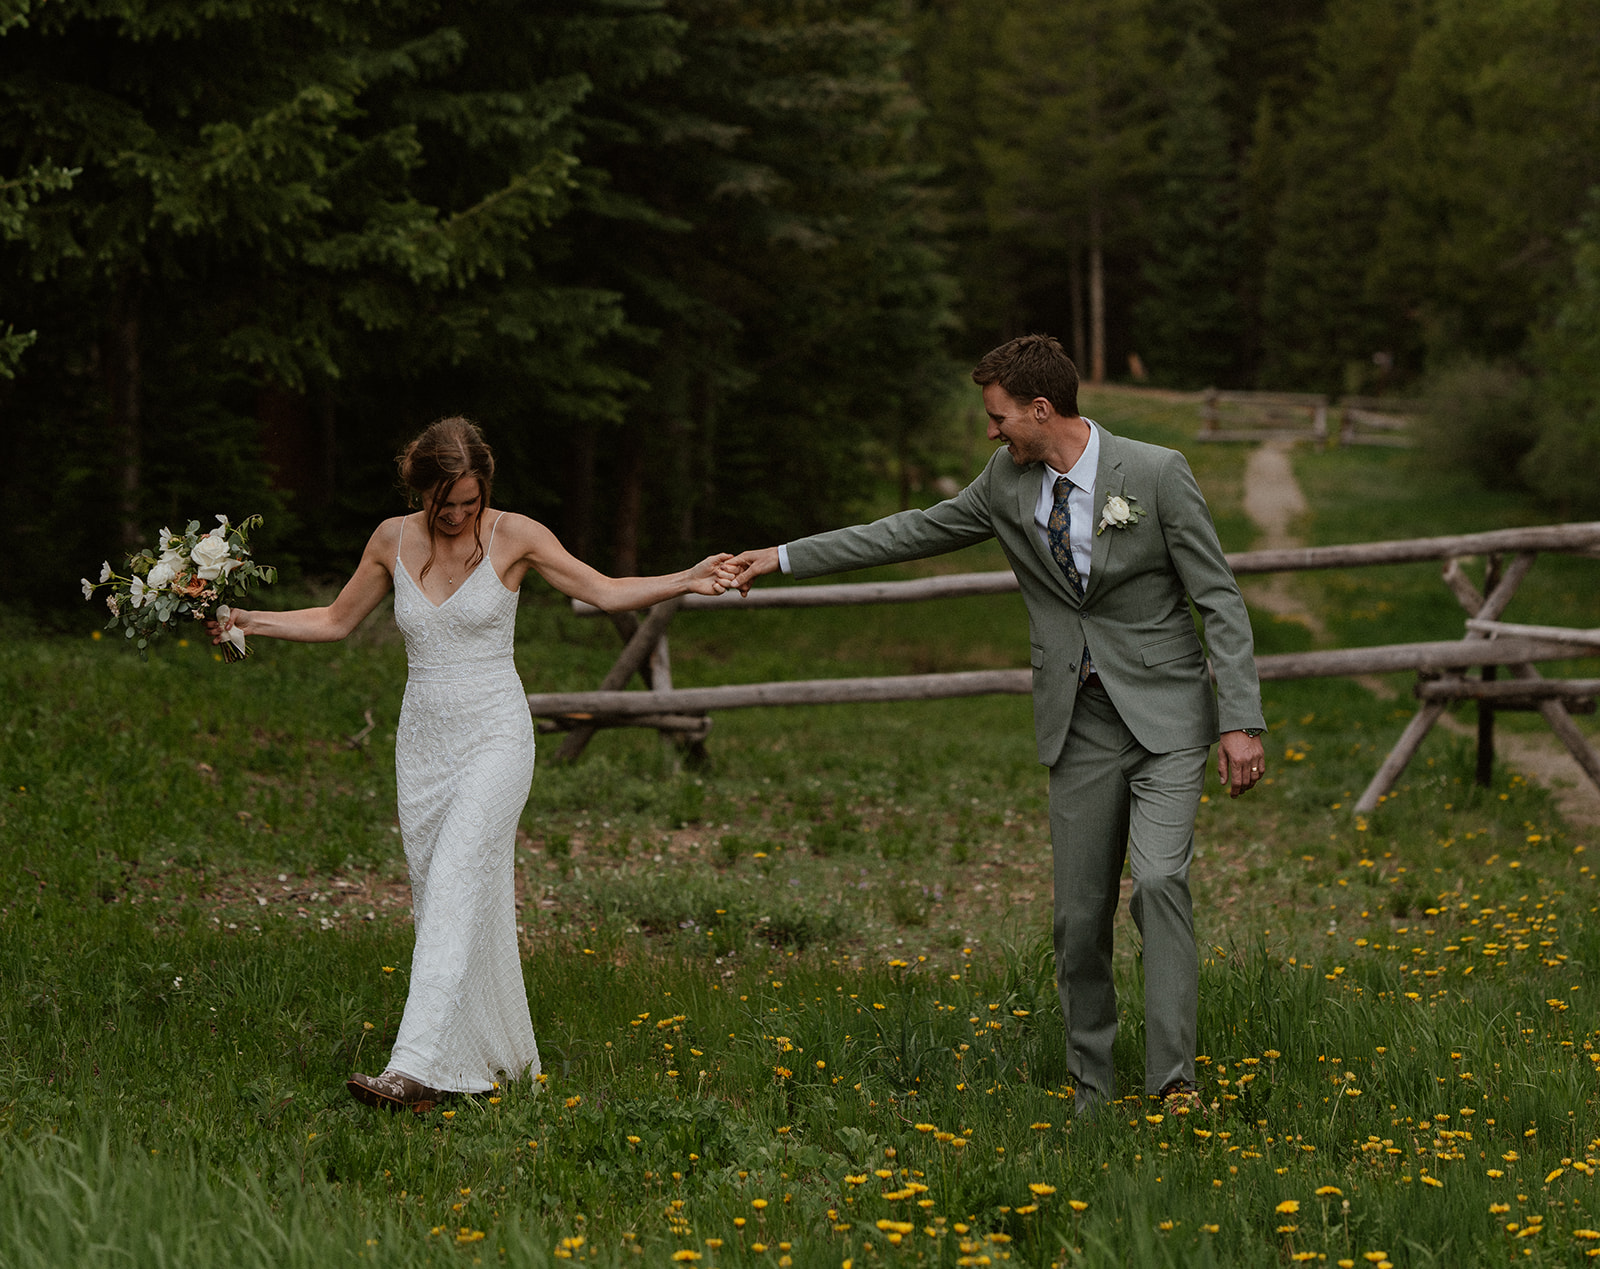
(393, 1091)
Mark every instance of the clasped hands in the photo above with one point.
(723, 572)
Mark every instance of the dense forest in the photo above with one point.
(706, 270)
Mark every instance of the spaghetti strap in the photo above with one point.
(399, 540)
(492, 529)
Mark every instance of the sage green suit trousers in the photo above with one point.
(1112, 799)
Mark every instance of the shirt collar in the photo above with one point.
(1083, 471)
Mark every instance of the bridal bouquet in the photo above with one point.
(189, 576)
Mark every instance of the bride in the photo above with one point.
(463, 749)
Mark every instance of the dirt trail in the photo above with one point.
(1273, 500)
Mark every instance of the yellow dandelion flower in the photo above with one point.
(1040, 1189)
(1288, 1207)
(1553, 1175)
(1209, 1229)
(857, 1180)
(758, 1204)
(1039, 1127)
(1433, 1181)
(713, 1243)
(758, 1248)
(1077, 1205)
(1588, 1234)
(573, 1101)
(1324, 1191)
(1153, 1119)
(685, 1254)
(1374, 1256)
(449, 1114)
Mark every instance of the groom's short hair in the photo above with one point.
(1032, 366)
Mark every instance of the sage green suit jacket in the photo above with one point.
(1133, 616)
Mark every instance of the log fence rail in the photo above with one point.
(1306, 416)
(1487, 645)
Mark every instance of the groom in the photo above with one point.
(1108, 538)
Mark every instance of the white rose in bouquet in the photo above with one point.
(165, 571)
(210, 554)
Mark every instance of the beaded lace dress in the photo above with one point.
(463, 767)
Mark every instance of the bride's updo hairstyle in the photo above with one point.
(446, 452)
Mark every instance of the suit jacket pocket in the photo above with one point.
(1173, 648)
(1036, 656)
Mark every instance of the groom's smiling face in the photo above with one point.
(1019, 424)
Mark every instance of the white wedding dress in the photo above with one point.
(463, 766)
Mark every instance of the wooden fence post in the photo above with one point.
(635, 655)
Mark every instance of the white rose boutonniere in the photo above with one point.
(1120, 512)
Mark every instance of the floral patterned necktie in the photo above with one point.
(1059, 532)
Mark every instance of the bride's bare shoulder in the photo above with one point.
(525, 531)
(385, 539)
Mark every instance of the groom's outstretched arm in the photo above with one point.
(908, 535)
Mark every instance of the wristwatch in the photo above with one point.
(1253, 732)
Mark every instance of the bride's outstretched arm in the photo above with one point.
(542, 551)
(369, 584)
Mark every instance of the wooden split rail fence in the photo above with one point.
(1441, 667)
(1306, 416)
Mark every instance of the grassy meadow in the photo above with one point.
(795, 1006)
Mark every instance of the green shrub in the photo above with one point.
(1479, 420)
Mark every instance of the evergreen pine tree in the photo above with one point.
(1322, 323)
(1188, 322)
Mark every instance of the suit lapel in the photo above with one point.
(1109, 480)
(1029, 482)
